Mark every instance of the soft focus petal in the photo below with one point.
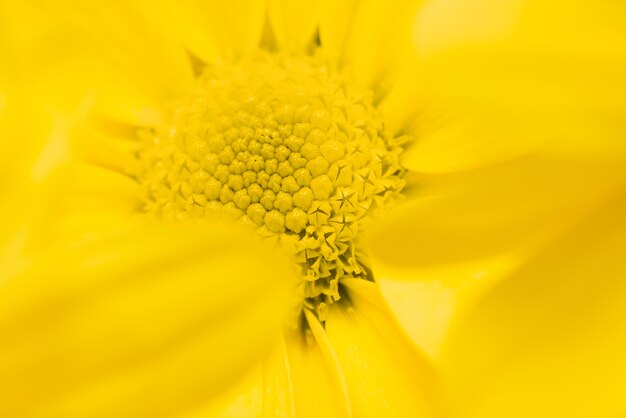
(33, 145)
(112, 56)
(379, 40)
(107, 145)
(211, 30)
(465, 231)
(424, 308)
(320, 384)
(296, 379)
(293, 23)
(336, 21)
(242, 399)
(476, 214)
(403, 102)
(47, 197)
(85, 199)
(143, 321)
(496, 80)
(385, 374)
(278, 400)
(236, 25)
(549, 341)
(184, 21)
(376, 39)
(33, 140)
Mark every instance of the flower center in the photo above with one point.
(285, 144)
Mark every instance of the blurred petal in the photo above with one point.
(33, 145)
(143, 321)
(278, 398)
(211, 30)
(467, 216)
(403, 102)
(101, 146)
(380, 42)
(111, 56)
(463, 232)
(141, 44)
(236, 25)
(321, 385)
(85, 199)
(336, 22)
(34, 141)
(374, 37)
(293, 23)
(243, 399)
(424, 308)
(294, 380)
(493, 81)
(385, 374)
(549, 341)
(186, 22)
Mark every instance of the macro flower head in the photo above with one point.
(312, 208)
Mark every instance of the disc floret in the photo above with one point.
(284, 144)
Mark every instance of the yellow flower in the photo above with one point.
(466, 158)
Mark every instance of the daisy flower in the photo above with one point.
(310, 208)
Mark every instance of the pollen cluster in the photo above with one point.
(284, 144)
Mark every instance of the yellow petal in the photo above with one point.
(549, 341)
(294, 380)
(466, 231)
(372, 36)
(425, 309)
(243, 399)
(319, 382)
(293, 23)
(211, 30)
(47, 197)
(111, 56)
(467, 216)
(495, 81)
(34, 140)
(278, 398)
(144, 321)
(402, 104)
(236, 26)
(33, 145)
(336, 20)
(83, 199)
(107, 143)
(186, 22)
(385, 374)
(379, 42)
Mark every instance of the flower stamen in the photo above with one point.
(285, 144)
